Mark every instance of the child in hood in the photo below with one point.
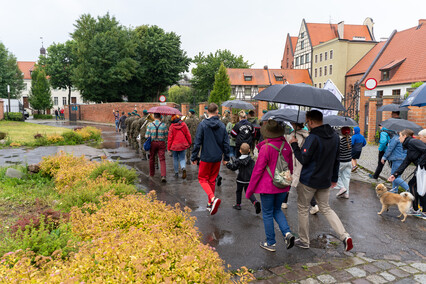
(358, 141)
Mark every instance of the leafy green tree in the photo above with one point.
(180, 94)
(58, 65)
(208, 66)
(105, 58)
(222, 87)
(161, 61)
(40, 95)
(10, 74)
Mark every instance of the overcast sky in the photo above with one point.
(255, 29)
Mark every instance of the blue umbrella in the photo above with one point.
(417, 98)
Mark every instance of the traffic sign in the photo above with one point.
(370, 84)
(162, 98)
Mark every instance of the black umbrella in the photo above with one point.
(336, 120)
(285, 114)
(397, 124)
(417, 98)
(238, 104)
(392, 107)
(300, 94)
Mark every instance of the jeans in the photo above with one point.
(344, 175)
(398, 182)
(116, 125)
(271, 209)
(232, 151)
(178, 157)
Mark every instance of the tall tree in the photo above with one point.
(40, 95)
(208, 66)
(105, 53)
(221, 88)
(10, 74)
(58, 65)
(180, 94)
(161, 59)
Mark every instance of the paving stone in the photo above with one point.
(326, 278)
(276, 280)
(392, 257)
(361, 281)
(370, 268)
(421, 278)
(405, 281)
(420, 266)
(313, 264)
(388, 276)
(397, 263)
(356, 272)
(316, 269)
(263, 274)
(260, 282)
(280, 270)
(292, 276)
(357, 261)
(329, 267)
(376, 279)
(382, 264)
(309, 281)
(409, 269)
(367, 259)
(342, 276)
(399, 273)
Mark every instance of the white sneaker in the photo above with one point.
(314, 210)
(284, 205)
(341, 192)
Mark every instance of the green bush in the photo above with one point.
(72, 138)
(42, 116)
(116, 172)
(14, 116)
(2, 135)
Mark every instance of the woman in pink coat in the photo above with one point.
(261, 182)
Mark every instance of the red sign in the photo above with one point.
(370, 84)
(162, 98)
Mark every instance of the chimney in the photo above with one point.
(340, 29)
(369, 23)
(422, 21)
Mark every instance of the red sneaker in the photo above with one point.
(348, 244)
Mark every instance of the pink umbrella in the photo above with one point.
(166, 110)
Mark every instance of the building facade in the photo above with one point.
(288, 56)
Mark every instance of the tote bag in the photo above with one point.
(421, 181)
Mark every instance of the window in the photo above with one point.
(278, 78)
(379, 94)
(302, 34)
(55, 101)
(25, 87)
(297, 61)
(247, 92)
(396, 92)
(288, 50)
(287, 63)
(320, 57)
(320, 85)
(325, 70)
(316, 73)
(331, 54)
(385, 75)
(233, 91)
(320, 71)
(316, 58)
(302, 44)
(73, 100)
(330, 70)
(325, 56)
(307, 58)
(248, 77)
(302, 59)
(64, 100)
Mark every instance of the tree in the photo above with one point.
(10, 74)
(105, 58)
(222, 87)
(180, 94)
(161, 61)
(208, 66)
(40, 95)
(58, 65)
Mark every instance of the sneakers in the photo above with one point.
(257, 207)
(314, 210)
(237, 206)
(284, 206)
(346, 196)
(289, 240)
(354, 168)
(215, 205)
(348, 244)
(184, 174)
(176, 175)
(341, 192)
(219, 181)
(209, 208)
(163, 179)
(371, 176)
(413, 212)
(265, 245)
(300, 244)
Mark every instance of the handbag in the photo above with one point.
(147, 144)
(421, 181)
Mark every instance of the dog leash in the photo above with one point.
(409, 176)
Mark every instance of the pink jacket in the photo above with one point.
(261, 181)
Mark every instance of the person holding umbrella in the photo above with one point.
(157, 131)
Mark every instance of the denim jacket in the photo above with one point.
(395, 152)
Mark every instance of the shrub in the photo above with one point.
(72, 138)
(15, 144)
(42, 116)
(33, 220)
(114, 172)
(2, 135)
(89, 133)
(14, 116)
(55, 138)
(38, 135)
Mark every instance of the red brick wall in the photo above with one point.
(372, 120)
(104, 112)
(184, 109)
(1, 109)
(261, 106)
(362, 115)
(201, 109)
(417, 115)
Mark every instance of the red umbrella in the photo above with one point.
(166, 110)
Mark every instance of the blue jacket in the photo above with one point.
(213, 140)
(385, 136)
(358, 141)
(395, 152)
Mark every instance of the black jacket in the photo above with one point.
(244, 165)
(243, 132)
(416, 153)
(319, 156)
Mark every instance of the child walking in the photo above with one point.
(244, 164)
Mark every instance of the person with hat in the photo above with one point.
(122, 125)
(227, 117)
(262, 182)
(136, 113)
(345, 166)
(179, 139)
(192, 122)
(319, 157)
(243, 132)
(129, 122)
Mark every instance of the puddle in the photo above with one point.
(219, 238)
(324, 241)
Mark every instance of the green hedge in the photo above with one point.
(15, 116)
(43, 116)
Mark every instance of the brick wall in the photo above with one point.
(417, 115)
(104, 112)
(1, 109)
(224, 109)
(201, 109)
(184, 109)
(372, 125)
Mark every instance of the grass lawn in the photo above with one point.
(23, 132)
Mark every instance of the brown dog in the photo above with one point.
(403, 200)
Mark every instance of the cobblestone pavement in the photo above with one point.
(356, 268)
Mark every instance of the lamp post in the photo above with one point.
(8, 100)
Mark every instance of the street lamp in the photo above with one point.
(8, 99)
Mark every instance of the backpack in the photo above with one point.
(147, 144)
(282, 175)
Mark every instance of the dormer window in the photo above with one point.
(392, 66)
(248, 77)
(385, 75)
(279, 77)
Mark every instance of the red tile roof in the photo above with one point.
(260, 76)
(26, 67)
(409, 44)
(362, 65)
(293, 42)
(320, 33)
(392, 64)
